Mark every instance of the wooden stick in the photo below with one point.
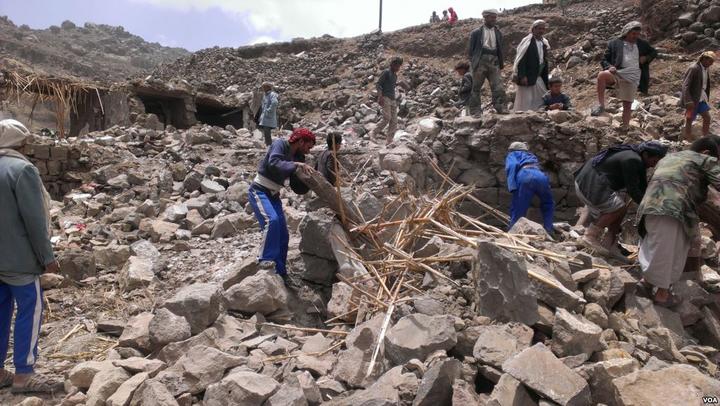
(307, 330)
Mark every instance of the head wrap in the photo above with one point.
(267, 84)
(518, 146)
(490, 11)
(536, 23)
(302, 134)
(708, 54)
(13, 134)
(629, 27)
(654, 147)
(450, 9)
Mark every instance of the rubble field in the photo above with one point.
(406, 288)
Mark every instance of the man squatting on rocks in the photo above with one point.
(525, 180)
(327, 163)
(283, 159)
(466, 84)
(268, 112)
(530, 70)
(599, 183)
(626, 66)
(386, 85)
(25, 253)
(486, 60)
(696, 94)
(667, 215)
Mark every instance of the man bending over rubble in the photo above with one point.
(25, 253)
(626, 66)
(667, 216)
(525, 180)
(598, 184)
(282, 160)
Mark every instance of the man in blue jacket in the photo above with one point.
(525, 180)
(282, 161)
(25, 253)
(268, 112)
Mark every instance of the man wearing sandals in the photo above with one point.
(626, 66)
(667, 215)
(25, 253)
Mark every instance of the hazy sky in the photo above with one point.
(196, 24)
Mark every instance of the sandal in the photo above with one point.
(671, 301)
(39, 384)
(7, 379)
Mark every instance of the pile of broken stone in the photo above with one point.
(543, 324)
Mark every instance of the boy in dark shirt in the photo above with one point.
(555, 99)
(326, 163)
(463, 70)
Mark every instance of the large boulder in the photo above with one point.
(152, 392)
(198, 303)
(137, 332)
(197, 369)
(509, 392)
(263, 293)
(77, 265)
(314, 230)
(574, 334)
(125, 392)
(167, 327)
(241, 388)
(498, 343)
(502, 285)
(674, 385)
(137, 273)
(711, 15)
(538, 369)
(436, 387)
(104, 384)
(417, 336)
(600, 376)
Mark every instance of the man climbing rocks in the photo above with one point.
(626, 66)
(696, 93)
(667, 216)
(598, 185)
(327, 163)
(486, 60)
(530, 70)
(268, 112)
(283, 159)
(386, 85)
(25, 253)
(526, 180)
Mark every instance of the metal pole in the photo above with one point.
(380, 23)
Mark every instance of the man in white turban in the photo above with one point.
(25, 253)
(530, 70)
(626, 67)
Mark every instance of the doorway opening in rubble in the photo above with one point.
(170, 110)
(218, 115)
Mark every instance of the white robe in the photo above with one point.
(528, 97)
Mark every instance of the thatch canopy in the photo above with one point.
(66, 94)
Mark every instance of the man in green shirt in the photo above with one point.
(667, 215)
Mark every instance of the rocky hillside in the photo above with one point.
(96, 52)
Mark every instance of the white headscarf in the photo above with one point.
(525, 44)
(629, 27)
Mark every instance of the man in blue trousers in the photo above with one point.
(283, 159)
(25, 253)
(525, 180)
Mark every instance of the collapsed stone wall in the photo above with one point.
(472, 151)
(58, 165)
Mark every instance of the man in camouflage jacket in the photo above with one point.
(667, 216)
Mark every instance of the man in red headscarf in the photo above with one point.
(282, 161)
(453, 16)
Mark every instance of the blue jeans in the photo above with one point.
(269, 213)
(532, 182)
(27, 323)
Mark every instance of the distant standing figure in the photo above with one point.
(555, 99)
(268, 115)
(526, 180)
(626, 66)
(434, 18)
(465, 91)
(453, 16)
(386, 85)
(696, 93)
(530, 70)
(327, 163)
(25, 254)
(445, 16)
(486, 60)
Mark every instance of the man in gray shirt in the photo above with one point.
(386, 99)
(25, 253)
